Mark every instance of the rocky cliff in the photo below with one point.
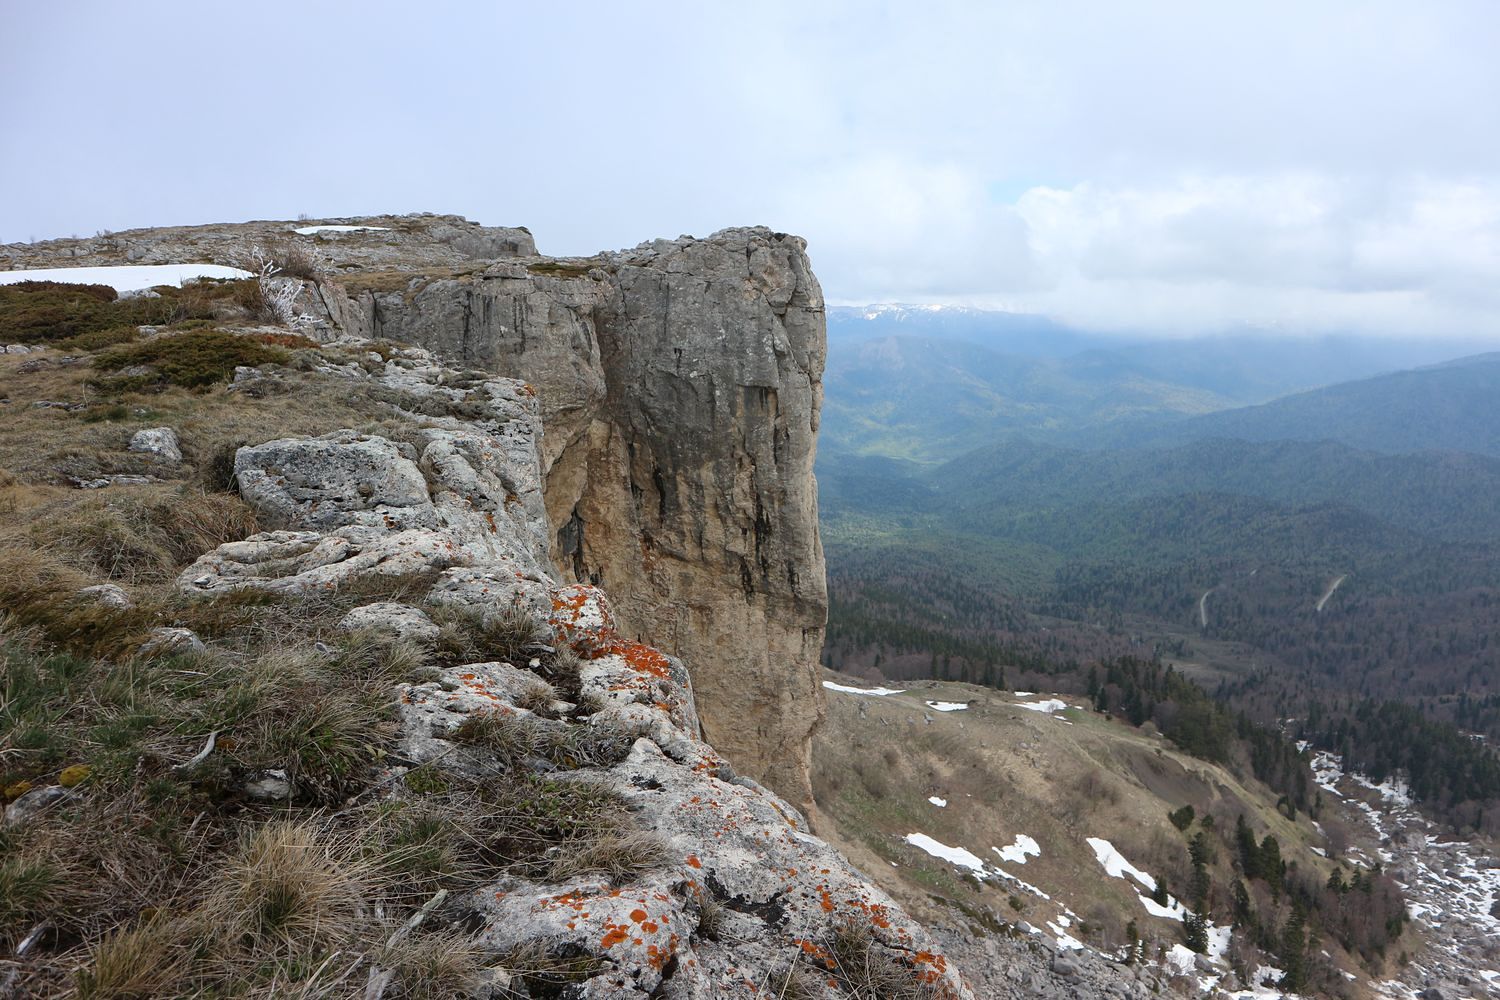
(679, 383)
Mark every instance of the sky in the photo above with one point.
(1183, 168)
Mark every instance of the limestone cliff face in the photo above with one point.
(680, 384)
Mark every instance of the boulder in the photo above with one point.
(158, 441)
(173, 640)
(107, 595)
(401, 621)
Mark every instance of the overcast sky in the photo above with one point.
(1189, 167)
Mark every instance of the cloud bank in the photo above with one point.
(1180, 167)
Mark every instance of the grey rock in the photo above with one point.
(108, 595)
(158, 441)
(173, 640)
(1065, 967)
(269, 786)
(399, 620)
(33, 803)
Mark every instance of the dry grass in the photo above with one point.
(865, 970)
(619, 855)
(148, 958)
(286, 888)
(467, 635)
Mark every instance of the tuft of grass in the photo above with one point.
(507, 737)
(619, 855)
(192, 359)
(536, 696)
(468, 635)
(795, 982)
(286, 888)
(442, 965)
(148, 958)
(863, 967)
(711, 913)
(547, 972)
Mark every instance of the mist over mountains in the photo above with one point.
(929, 383)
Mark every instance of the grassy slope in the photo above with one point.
(1006, 771)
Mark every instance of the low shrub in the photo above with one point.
(192, 359)
(88, 317)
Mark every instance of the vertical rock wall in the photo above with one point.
(680, 384)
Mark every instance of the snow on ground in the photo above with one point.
(947, 706)
(1025, 694)
(1115, 864)
(126, 278)
(940, 803)
(1017, 851)
(872, 692)
(313, 230)
(953, 855)
(1065, 941)
(1449, 884)
(1048, 707)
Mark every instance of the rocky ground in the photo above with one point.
(1452, 886)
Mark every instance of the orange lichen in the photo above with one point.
(612, 937)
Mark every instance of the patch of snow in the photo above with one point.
(125, 278)
(940, 803)
(1049, 706)
(1181, 959)
(1115, 865)
(947, 706)
(1017, 851)
(1172, 911)
(1001, 873)
(1065, 941)
(872, 692)
(953, 855)
(312, 230)
(1025, 694)
(1218, 941)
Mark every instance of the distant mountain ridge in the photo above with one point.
(927, 383)
(1450, 406)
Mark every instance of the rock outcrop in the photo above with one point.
(679, 384)
(738, 895)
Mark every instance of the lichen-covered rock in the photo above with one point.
(338, 480)
(389, 618)
(158, 441)
(730, 845)
(173, 640)
(107, 595)
(460, 494)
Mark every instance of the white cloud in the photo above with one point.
(1185, 166)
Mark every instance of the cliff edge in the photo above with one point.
(680, 384)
